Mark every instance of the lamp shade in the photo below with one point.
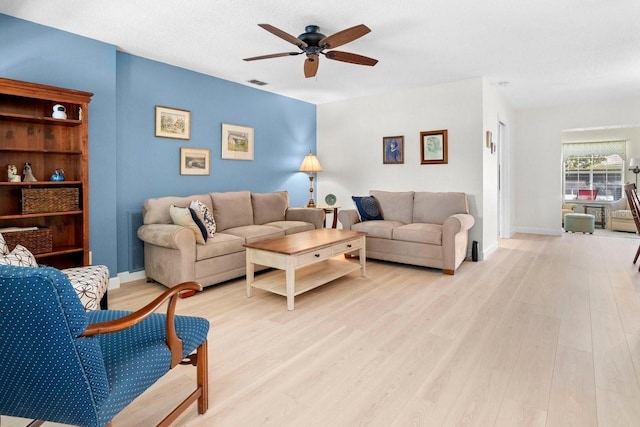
(310, 164)
(634, 163)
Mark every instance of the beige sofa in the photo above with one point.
(620, 217)
(419, 228)
(171, 255)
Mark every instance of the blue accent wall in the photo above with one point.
(127, 162)
(284, 131)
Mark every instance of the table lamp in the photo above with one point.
(310, 164)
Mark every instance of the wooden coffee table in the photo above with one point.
(306, 259)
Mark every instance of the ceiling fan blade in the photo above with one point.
(311, 65)
(344, 36)
(273, 55)
(285, 36)
(351, 58)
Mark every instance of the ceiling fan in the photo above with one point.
(313, 43)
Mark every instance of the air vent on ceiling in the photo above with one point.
(257, 82)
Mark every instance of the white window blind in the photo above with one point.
(594, 170)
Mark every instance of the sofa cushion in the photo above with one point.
(156, 211)
(435, 208)
(395, 205)
(269, 207)
(367, 208)
(184, 217)
(291, 227)
(219, 244)
(419, 233)
(204, 216)
(255, 233)
(383, 229)
(232, 209)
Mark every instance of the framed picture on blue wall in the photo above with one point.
(173, 123)
(195, 161)
(237, 142)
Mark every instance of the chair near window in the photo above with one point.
(634, 205)
(62, 364)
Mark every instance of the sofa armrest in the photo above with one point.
(348, 217)
(457, 223)
(168, 236)
(310, 215)
(455, 239)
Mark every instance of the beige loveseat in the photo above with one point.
(172, 256)
(620, 216)
(419, 228)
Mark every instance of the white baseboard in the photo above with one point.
(125, 277)
(546, 231)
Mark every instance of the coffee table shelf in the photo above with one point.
(307, 278)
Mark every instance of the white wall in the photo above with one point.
(538, 156)
(495, 109)
(349, 144)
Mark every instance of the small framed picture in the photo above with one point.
(173, 123)
(195, 161)
(237, 142)
(433, 147)
(393, 150)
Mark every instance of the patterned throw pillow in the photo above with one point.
(183, 217)
(367, 208)
(204, 216)
(4, 249)
(19, 257)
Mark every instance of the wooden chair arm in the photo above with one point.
(173, 342)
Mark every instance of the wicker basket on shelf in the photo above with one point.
(42, 200)
(37, 241)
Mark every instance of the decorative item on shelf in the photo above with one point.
(12, 174)
(310, 164)
(59, 112)
(58, 175)
(28, 175)
(634, 166)
(330, 199)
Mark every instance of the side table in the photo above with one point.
(330, 209)
(602, 217)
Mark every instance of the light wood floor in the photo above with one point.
(544, 333)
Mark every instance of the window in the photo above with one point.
(594, 170)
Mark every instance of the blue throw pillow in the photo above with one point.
(367, 208)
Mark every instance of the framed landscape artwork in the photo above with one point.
(237, 142)
(173, 123)
(393, 150)
(433, 147)
(195, 161)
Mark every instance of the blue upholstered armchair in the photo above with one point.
(59, 363)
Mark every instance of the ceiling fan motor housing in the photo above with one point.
(312, 37)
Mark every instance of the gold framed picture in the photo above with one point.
(173, 123)
(393, 150)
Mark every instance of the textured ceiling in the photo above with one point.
(551, 52)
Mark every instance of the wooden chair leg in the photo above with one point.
(203, 377)
(637, 254)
